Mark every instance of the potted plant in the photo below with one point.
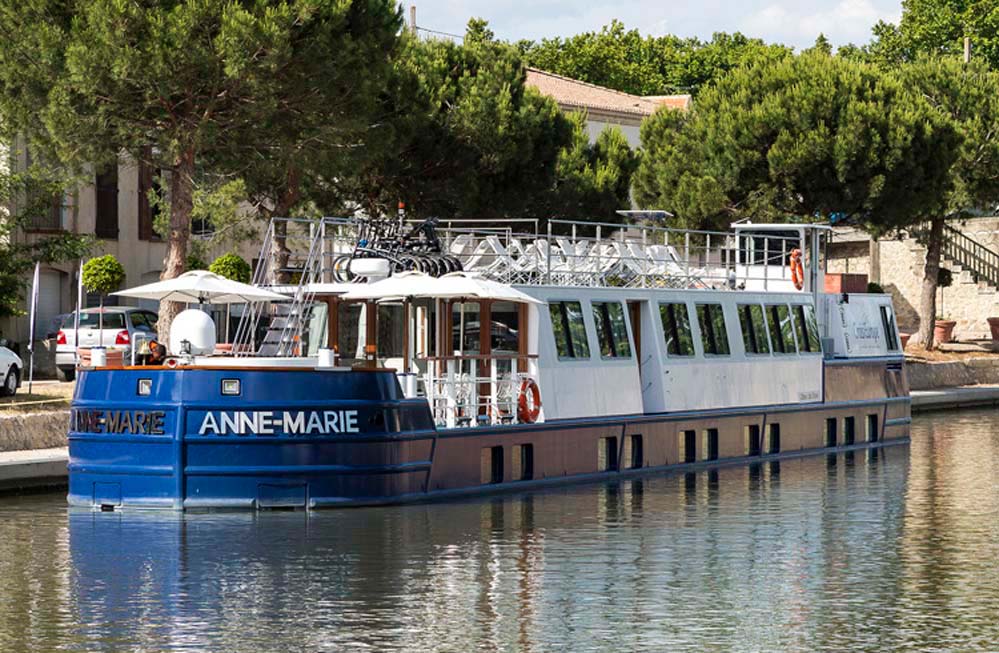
(102, 275)
(943, 329)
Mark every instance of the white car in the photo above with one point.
(11, 367)
(123, 326)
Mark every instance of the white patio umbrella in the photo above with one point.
(456, 285)
(203, 287)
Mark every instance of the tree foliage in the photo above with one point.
(103, 274)
(592, 180)
(625, 60)
(244, 86)
(937, 28)
(802, 137)
(460, 135)
(25, 196)
(231, 266)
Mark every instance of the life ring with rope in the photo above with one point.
(797, 270)
(529, 401)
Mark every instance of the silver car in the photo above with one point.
(11, 368)
(123, 326)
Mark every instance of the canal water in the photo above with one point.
(892, 549)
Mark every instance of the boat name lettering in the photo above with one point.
(268, 422)
(119, 421)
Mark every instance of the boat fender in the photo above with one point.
(797, 271)
(529, 410)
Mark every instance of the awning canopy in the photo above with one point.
(456, 285)
(203, 287)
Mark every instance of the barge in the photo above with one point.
(583, 353)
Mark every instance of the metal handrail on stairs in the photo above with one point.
(982, 262)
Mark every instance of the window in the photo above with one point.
(831, 435)
(91, 320)
(634, 456)
(781, 330)
(714, 336)
(711, 444)
(872, 428)
(806, 329)
(569, 329)
(888, 322)
(688, 446)
(141, 320)
(107, 202)
(753, 447)
(849, 430)
(612, 334)
(523, 462)
(774, 444)
(607, 454)
(491, 465)
(754, 329)
(676, 329)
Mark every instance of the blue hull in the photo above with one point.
(306, 438)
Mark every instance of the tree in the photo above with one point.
(102, 275)
(174, 83)
(460, 136)
(644, 65)
(592, 180)
(801, 138)
(964, 96)
(938, 28)
(231, 266)
(30, 193)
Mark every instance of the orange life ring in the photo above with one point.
(172, 363)
(797, 270)
(528, 413)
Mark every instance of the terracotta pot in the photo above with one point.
(904, 337)
(943, 330)
(994, 327)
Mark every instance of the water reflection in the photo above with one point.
(878, 550)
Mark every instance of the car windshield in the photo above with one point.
(91, 320)
(143, 320)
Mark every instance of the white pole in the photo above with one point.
(76, 317)
(31, 327)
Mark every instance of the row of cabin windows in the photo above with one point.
(766, 329)
(791, 329)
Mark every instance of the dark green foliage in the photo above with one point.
(31, 193)
(103, 274)
(461, 135)
(799, 138)
(937, 28)
(945, 278)
(875, 288)
(231, 266)
(645, 65)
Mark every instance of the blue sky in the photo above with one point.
(784, 21)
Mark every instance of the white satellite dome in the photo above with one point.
(197, 328)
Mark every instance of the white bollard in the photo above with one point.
(327, 358)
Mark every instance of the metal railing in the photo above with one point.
(982, 262)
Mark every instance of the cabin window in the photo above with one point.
(491, 465)
(505, 330)
(806, 330)
(464, 328)
(634, 456)
(688, 446)
(774, 443)
(523, 462)
(872, 428)
(607, 454)
(753, 447)
(888, 322)
(676, 329)
(350, 335)
(612, 334)
(831, 435)
(754, 329)
(390, 327)
(781, 329)
(714, 336)
(570, 331)
(849, 430)
(711, 444)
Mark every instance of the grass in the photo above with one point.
(44, 397)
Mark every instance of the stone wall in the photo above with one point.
(901, 270)
(973, 371)
(44, 430)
